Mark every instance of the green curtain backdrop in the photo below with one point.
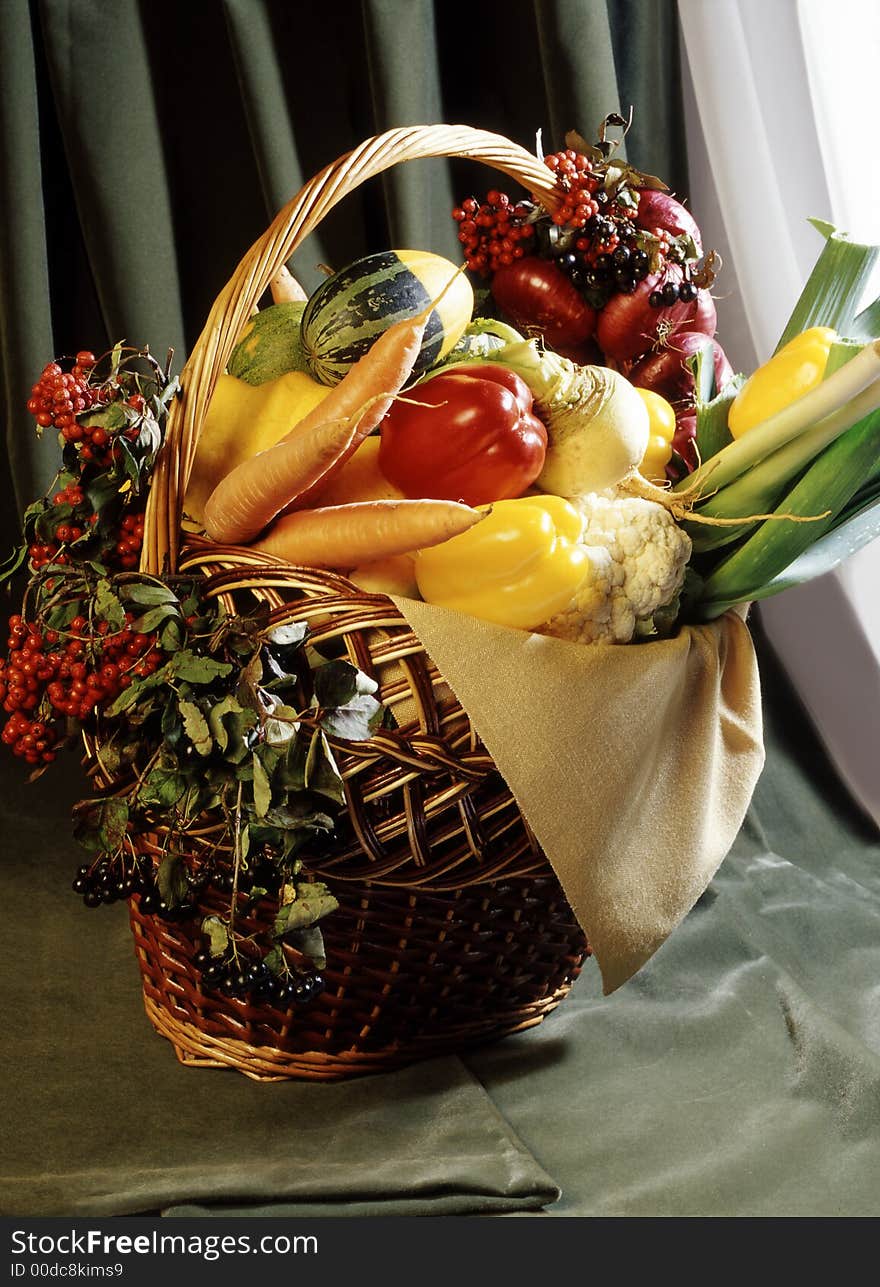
(144, 146)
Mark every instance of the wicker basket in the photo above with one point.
(452, 928)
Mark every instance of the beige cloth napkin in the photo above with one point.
(633, 765)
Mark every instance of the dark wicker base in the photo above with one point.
(410, 975)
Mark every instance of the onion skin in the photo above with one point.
(660, 210)
(629, 326)
(684, 440)
(666, 372)
(536, 295)
(586, 354)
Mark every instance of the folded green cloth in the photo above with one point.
(107, 1122)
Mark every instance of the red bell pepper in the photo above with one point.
(469, 434)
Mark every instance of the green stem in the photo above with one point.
(236, 868)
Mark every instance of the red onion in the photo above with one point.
(630, 326)
(667, 372)
(536, 295)
(684, 440)
(660, 210)
(586, 354)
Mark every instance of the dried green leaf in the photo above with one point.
(60, 617)
(313, 901)
(131, 695)
(49, 518)
(112, 416)
(100, 825)
(281, 726)
(102, 491)
(196, 727)
(163, 787)
(226, 706)
(354, 722)
(197, 670)
(13, 563)
(171, 635)
(171, 880)
(218, 935)
(310, 941)
(321, 772)
(289, 635)
(248, 688)
(148, 594)
(275, 961)
(644, 180)
(154, 617)
(262, 788)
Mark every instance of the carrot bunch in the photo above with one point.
(266, 501)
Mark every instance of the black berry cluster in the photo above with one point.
(234, 976)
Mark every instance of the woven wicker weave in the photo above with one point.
(452, 928)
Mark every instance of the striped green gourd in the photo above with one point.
(351, 309)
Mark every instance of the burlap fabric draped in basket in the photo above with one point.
(628, 769)
(633, 766)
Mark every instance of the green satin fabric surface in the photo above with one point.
(101, 1119)
(737, 1074)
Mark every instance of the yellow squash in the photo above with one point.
(243, 420)
(798, 367)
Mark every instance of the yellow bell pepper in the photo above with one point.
(662, 430)
(518, 567)
(796, 369)
(242, 420)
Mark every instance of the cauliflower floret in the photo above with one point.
(638, 555)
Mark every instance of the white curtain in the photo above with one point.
(781, 97)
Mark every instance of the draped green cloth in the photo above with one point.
(145, 146)
(738, 1073)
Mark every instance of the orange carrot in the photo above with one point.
(244, 502)
(342, 536)
(359, 479)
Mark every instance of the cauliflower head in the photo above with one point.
(638, 555)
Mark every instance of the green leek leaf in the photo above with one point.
(829, 551)
(834, 287)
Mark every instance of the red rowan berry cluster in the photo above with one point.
(75, 672)
(591, 237)
(492, 233)
(59, 397)
(128, 547)
(70, 518)
(574, 173)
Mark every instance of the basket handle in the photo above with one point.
(236, 302)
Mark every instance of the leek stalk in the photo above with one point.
(827, 487)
